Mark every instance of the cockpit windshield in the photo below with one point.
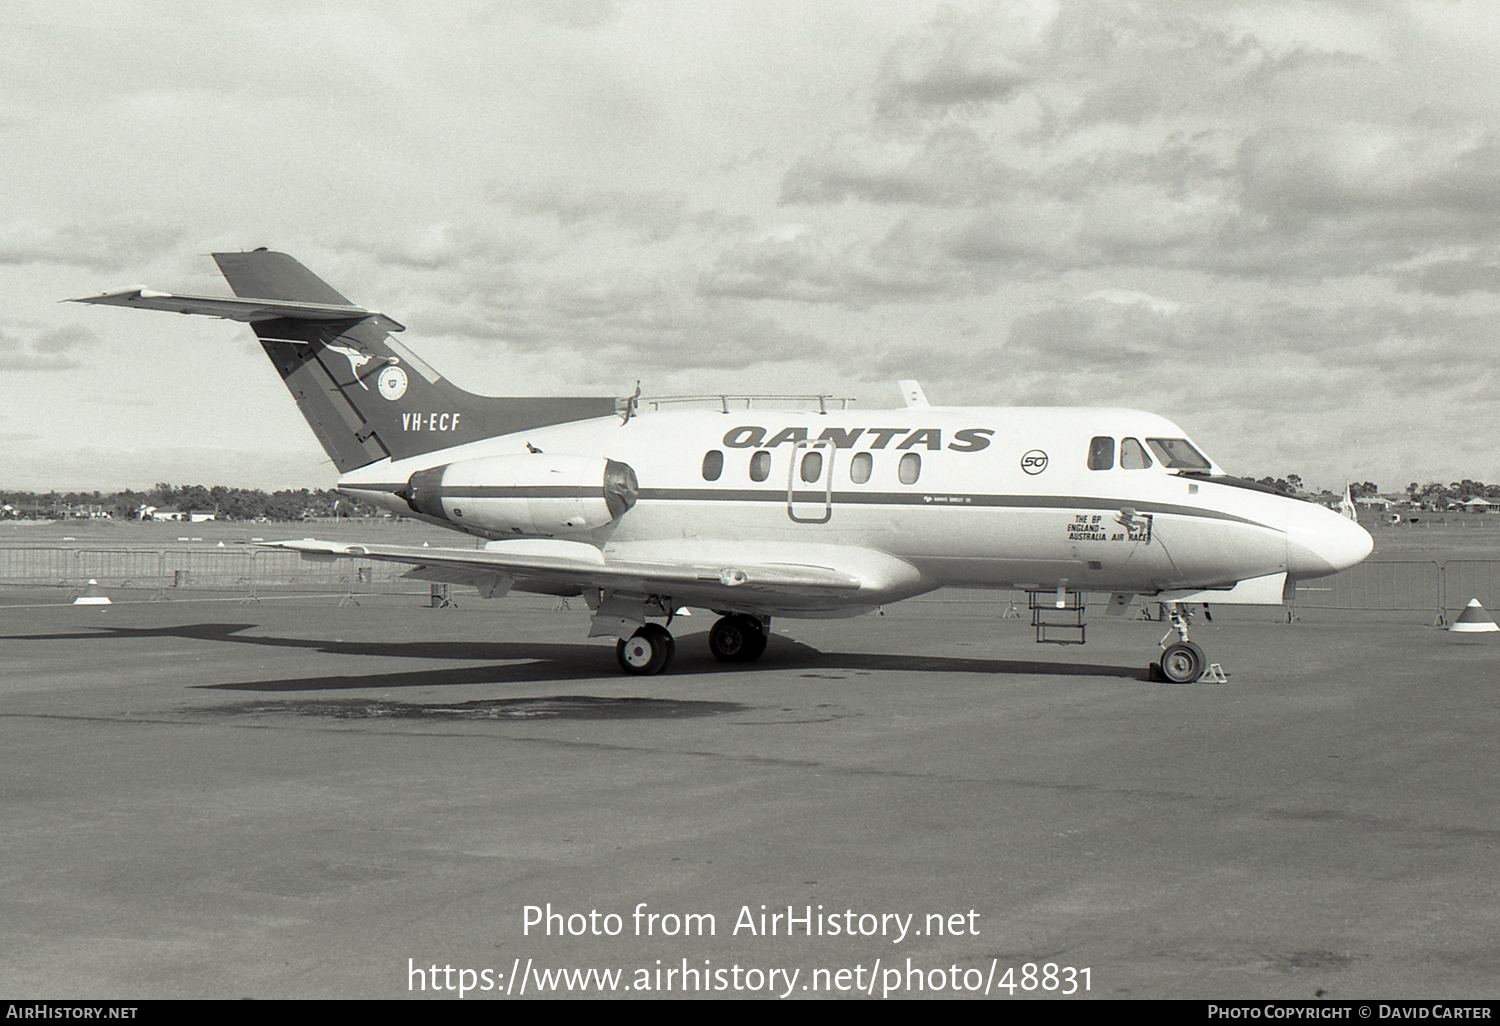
(1178, 454)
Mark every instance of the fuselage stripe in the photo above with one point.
(944, 500)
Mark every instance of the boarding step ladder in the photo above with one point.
(1061, 613)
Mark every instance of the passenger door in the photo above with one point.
(809, 487)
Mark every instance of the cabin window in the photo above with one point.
(1178, 454)
(760, 465)
(812, 467)
(1101, 453)
(910, 468)
(713, 464)
(859, 467)
(1133, 455)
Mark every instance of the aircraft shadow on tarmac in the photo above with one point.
(548, 707)
(527, 662)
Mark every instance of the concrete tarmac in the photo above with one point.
(301, 799)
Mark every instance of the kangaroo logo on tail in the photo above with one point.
(392, 379)
(356, 360)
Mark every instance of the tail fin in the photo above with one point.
(366, 396)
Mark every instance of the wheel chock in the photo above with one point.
(91, 595)
(1213, 675)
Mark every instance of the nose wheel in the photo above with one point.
(1182, 662)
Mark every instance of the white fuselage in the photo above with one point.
(924, 497)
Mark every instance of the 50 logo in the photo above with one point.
(1034, 462)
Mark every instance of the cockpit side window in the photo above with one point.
(1102, 453)
(1133, 455)
(1178, 454)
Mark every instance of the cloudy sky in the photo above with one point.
(1277, 223)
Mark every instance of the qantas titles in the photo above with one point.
(752, 436)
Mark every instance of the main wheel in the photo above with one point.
(647, 651)
(1182, 662)
(737, 639)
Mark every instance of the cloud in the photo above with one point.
(45, 350)
(648, 320)
(645, 216)
(959, 59)
(61, 340)
(1454, 277)
(950, 166)
(1099, 135)
(576, 14)
(798, 263)
(460, 249)
(106, 246)
(1347, 169)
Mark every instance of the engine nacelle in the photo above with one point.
(532, 494)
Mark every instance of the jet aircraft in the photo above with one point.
(646, 507)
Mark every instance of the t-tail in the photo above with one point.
(366, 396)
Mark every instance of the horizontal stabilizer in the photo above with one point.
(239, 309)
(366, 397)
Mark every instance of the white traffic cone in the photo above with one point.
(1474, 619)
(93, 595)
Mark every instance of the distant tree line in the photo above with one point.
(227, 503)
(1461, 491)
(1433, 494)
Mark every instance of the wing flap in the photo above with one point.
(239, 309)
(580, 565)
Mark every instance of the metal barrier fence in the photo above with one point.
(1400, 585)
(240, 569)
(1441, 587)
(1436, 586)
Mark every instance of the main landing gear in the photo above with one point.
(1182, 662)
(647, 651)
(736, 638)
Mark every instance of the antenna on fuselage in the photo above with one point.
(912, 392)
(631, 404)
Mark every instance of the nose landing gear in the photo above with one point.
(1182, 662)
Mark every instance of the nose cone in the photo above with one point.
(1321, 542)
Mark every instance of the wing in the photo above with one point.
(237, 309)
(550, 563)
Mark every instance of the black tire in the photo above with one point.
(737, 639)
(647, 651)
(1182, 662)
